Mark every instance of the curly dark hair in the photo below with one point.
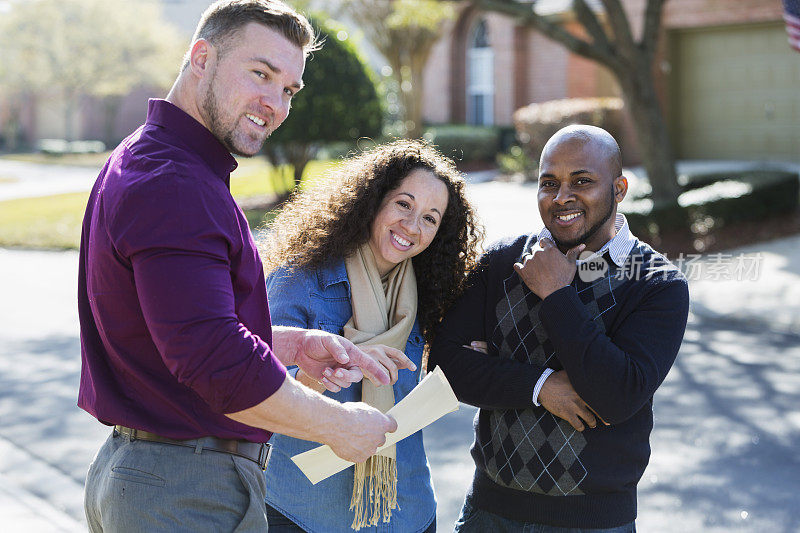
(333, 219)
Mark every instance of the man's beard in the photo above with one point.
(591, 232)
(224, 133)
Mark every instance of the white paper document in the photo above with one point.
(429, 401)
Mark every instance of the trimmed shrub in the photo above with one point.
(323, 112)
(516, 162)
(507, 137)
(536, 123)
(714, 199)
(62, 146)
(465, 143)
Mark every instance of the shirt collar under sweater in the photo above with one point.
(619, 247)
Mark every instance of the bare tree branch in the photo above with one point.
(629, 61)
(404, 32)
(652, 23)
(619, 23)
(528, 17)
(592, 25)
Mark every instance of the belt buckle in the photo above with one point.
(124, 431)
(263, 455)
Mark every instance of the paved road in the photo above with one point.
(19, 179)
(727, 424)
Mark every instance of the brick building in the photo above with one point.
(43, 116)
(728, 80)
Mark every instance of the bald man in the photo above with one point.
(561, 340)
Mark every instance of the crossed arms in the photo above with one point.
(611, 373)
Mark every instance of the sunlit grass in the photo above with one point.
(256, 177)
(54, 222)
(45, 222)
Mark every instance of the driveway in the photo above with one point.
(19, 179)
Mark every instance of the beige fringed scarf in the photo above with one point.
(383, 313)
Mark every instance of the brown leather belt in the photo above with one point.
(255, 451)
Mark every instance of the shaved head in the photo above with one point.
(599, 141)
(580, 185)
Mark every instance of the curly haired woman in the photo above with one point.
(377, 254)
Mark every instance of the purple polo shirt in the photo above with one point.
(175, 327)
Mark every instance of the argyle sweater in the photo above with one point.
(616, 337)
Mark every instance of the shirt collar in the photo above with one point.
(619, 247)
(191, 133)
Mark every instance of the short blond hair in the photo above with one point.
(224, 18)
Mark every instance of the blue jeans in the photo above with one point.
(145, 486)
(478, 520)
(278, 523)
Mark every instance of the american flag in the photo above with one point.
(791, 14)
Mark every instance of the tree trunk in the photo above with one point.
(639, 91)
(69, 116)
(416, 96)
(406, 88)
(298, 155)
(277, 158)
(12, 128)
(282, 193)
(408, 72)
(640, 97)
(111, 105)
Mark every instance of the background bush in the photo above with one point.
(536, 123)
(711, 200)
(339, 104)
(516, 162)
(465, 143)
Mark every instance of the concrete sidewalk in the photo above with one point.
(757, 284)
(27, 180)
(23, 510)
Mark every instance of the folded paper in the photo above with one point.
(429, 401)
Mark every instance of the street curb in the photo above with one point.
(18, 463)
(38, 508)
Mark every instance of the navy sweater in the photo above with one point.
(616, 352)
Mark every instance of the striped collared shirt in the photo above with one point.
(619, 247)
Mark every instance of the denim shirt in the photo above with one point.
(320, 299)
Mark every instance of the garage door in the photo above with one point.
(738, 94)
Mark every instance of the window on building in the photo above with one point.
(480, 76)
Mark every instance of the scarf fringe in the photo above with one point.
(380, 498)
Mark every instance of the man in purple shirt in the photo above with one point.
(178, 353)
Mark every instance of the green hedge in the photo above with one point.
(465, 143)
(62, 146)
(536, 123)
(723, 197)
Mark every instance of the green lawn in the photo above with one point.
(254, 177)
(54, 222)
(46, 222)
